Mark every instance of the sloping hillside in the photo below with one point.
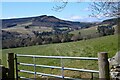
(112, 21)
(42, 21)
(81, 48)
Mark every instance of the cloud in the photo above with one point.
(86, 9)
(101, 15)
(83, 18)
(75, 18)
(12, 17)
(8, 17)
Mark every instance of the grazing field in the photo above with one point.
(84, 48)
(21, 29)
(91, 30)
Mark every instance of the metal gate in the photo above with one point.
(62, 68)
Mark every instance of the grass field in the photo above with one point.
(83, 48)
(91, 30)
(22, 30)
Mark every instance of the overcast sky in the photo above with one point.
(73, 11)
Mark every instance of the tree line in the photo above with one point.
(14, 41)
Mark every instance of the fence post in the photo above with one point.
(0, 61)
(11, 66)
(103, 66)
(0, 71)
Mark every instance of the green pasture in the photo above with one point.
(84, 48)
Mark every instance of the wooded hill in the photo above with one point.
(44, 20)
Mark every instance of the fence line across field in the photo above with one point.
(62, 68)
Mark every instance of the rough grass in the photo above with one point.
(91, 30)
(83, 48)
(22, 30)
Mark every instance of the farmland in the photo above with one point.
(22, 30)
(83, 48)
(87, 31)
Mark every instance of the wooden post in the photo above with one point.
(0, 71)
(103, 66)
(3, 73)
(11, 66)
(0, 61)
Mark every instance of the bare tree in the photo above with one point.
(61, 6)
(106, 8)
(101, 8)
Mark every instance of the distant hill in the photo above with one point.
(43, 21)
(112, 21)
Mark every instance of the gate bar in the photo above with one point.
(58, 57)
(55, 67)
(43, 74)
